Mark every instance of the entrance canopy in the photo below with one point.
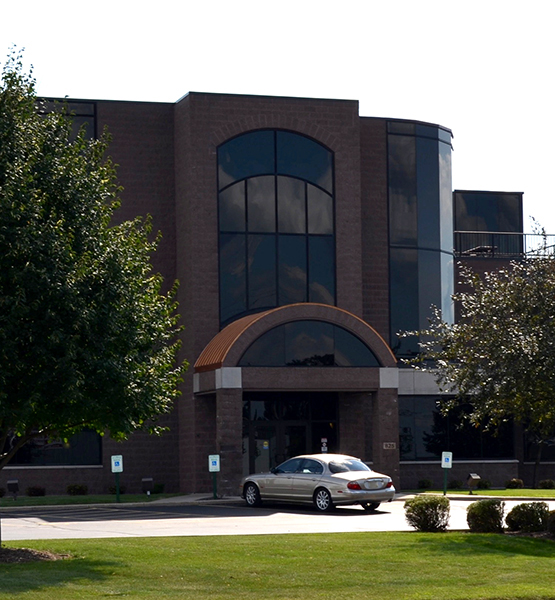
(245, 354)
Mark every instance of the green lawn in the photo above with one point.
(411, 566)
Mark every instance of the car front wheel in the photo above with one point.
(252, 495)
(322, 500)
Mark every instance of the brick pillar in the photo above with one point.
(385, 433)
(229, 439)
(354, 410)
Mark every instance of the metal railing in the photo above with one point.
(492, 244)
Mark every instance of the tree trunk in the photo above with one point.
(537, 464)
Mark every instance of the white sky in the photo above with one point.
(483, 68)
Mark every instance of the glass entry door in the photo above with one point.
(273, 443)
(278, 426)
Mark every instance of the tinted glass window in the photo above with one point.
(246, 156)
(290, 466)
(301, 157)
(233, 281)
(403, 208)
(262, 195)
(232, 208)
(291, 205)
(425, 433)
(312, 466)
(261, 205)
(308, 344)
(320, 211)
(262, 271)
(267, 351)
(352, 352)
(292, 269)
(83, 448)
(321, 269)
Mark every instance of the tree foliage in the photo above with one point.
(87, 338)
(501, 352)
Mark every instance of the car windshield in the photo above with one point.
(351, 464)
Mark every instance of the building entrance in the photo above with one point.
(277, 426)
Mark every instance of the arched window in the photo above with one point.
(308, 344)
(276, 222)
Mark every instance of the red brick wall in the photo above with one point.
(375, 239)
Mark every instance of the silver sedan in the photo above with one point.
(325, 480)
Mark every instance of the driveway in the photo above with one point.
(204, 517)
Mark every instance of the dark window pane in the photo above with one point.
(262, 271)
(321, 270)
(404, 299)
(301, 157)
(320, 211)
(427, 177)
(425, 433)
(403, 220)
(267, 351)
(246, 156)
(261, 204)
(83, 448)
(291, 205)
(290, 466)
(323, 406)
(292, 269)
(233, 282)
(309, 344)
(350, 351)
(232, 208)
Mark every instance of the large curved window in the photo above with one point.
(421, 264)
(276, 222)
(308, 344)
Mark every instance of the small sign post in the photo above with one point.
(214, 467)
(117, 468)
(446, 463)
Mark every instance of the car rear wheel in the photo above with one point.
(252, 495)
(370, 506)
(322, 500)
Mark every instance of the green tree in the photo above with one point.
(500, 355)
(87, 337)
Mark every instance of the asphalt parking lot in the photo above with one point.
(204, 517)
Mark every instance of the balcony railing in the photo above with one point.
(488, 244)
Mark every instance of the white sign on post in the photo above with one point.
(117, 463)
(446, 460)
(214, 463)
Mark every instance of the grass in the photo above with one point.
(8, 501)
(415, 566)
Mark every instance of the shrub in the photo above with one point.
(529, 516)
(424, 484)
(551, 522)
(514, 484)
(486, 516)
(112, 489)
(158, 488)
(483, 484)
(455, 484)
(546, 484)
(427, 513)
(2, 492)
(75, 489)
(36, 490)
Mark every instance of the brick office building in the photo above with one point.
(304, 237)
